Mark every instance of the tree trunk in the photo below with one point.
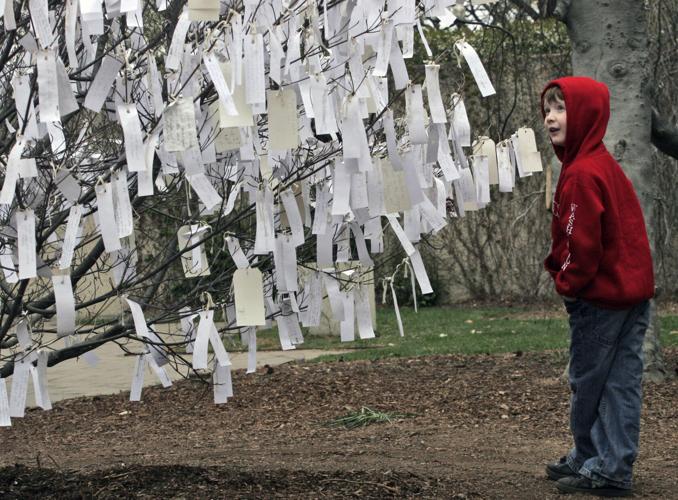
(610, 44)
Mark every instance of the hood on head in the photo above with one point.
(587, 102)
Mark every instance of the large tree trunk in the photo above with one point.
(610, 44)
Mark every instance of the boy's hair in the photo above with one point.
(553, 94)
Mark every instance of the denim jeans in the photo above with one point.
(606, 371)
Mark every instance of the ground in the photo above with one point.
(481, 427)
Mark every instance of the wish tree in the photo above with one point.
(217, 166)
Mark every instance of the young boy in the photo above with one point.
(602, 267)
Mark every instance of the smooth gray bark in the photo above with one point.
(610, 44)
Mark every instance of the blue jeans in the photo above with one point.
(606, 372)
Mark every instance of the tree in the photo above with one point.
(169, 157)
(610, 42)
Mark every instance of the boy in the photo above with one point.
(601, 263)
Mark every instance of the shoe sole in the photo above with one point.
(601, 492)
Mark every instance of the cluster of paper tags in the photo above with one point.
(278, 98)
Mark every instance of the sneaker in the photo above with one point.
(581, 484)
(559, 469)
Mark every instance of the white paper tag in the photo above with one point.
(312, 303)
(363, 313)
(255, 83)
(124, 217)
(414, 104)
(435, 100)
(420, 273)
(106, 212)
(477, 68)
(347, 325)
(134, 143)
(179, 126)
(159, 371)
(208, 195)
(138, 378)
(5, 420)
(17, 400)
(202, 338)
(103, 81)
(283, 124)
(293, 216)
(249, 297)
(222, 384)
(402, 237)
(25, 228)
(48, 94)
(65, 304)
(217, 76)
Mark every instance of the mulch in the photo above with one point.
(478, 427)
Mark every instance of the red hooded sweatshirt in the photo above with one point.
(600, 249)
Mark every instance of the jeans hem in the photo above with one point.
(597, 477)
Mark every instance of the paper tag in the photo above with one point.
(25, 228)
(106, 212)
(159, 371)
(486, 147)
(122, 205)
(341, 189)
(414, 104)
(283, 123)
(347, 325)
(249, 297)
(103, 81)
(383, 48)
(363, 313)
(255, 83)
(220, 353)
(402, 237)
(312, 303)
(65, 304)
(138, 378)
(179, 126)
(217, 76)
(45, 402)
(264, 240)
(461, 128)
(134, 143)
(208, 195)
(176, 49)
(396, 192)
(47, 87)
(17, 400)
(222, 384)
(251, 350)
(504, 168)
(5, 420)
(481, 177)
(420, 273)
(530, 159)
(202, 340)
(293, 216)
(435, 100)
(477, 68)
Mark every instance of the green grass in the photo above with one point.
(366, 416)
(437, 330)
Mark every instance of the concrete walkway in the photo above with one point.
(113, 371)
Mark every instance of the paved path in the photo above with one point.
(113, 371)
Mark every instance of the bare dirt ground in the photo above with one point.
(483, 427)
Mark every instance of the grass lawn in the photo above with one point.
(438, 330)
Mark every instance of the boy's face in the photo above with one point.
(555, 120)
